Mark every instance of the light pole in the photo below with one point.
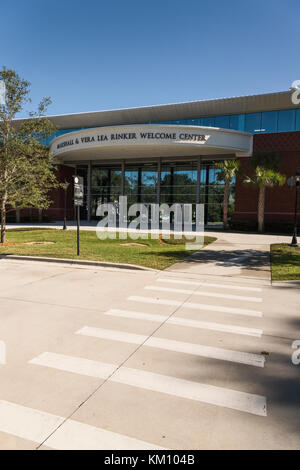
(65, 186)
(297, 184)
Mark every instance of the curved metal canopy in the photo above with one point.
(111, 143)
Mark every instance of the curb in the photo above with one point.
(102, 264)
(293, 284)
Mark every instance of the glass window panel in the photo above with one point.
(253, 122)
(222, 121)
(214, 214)
(165, 187)
(234, 122)
(99, 179)
(213, 173)
(131, 184)
(185, 176)
(185, 181)
(286, 120)
(242, 118)
(115, 181)
(208, 121)
(178, 183)
(297, 120)
(149, 178)
(149, 183)
(197, 122)
(203, 175)
(269, 121)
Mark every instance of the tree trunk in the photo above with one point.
(3, 222)
(225, 204)
(261, 208)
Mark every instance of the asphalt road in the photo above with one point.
(194, 357)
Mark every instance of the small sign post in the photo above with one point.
(297, 184)
(295, 181)
(78, 202)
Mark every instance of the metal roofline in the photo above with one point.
(174, 111)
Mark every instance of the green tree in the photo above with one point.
(228, 171)
(26, 172)
(265, 166)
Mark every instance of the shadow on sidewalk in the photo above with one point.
(249, 259)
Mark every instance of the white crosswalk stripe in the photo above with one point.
(197, 306)
(77, 365)
(205, 294)
(209, 284)
(113, 335)
(56, 432)
(221, 327)
(27, 423)
(74, 435)
(39, 426)
(239, 357)
(210, 394)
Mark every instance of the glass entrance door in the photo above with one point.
(105, 185)
(178, 185)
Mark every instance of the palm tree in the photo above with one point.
(264, 178)
(228, 171)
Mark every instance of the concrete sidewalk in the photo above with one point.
(233, 255)
(234, 237)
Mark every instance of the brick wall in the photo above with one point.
(56, 209)
(279, 200)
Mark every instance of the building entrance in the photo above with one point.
(163, 182)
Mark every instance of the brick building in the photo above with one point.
(167, 154)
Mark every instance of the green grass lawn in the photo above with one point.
(151, 254)
(285, 262)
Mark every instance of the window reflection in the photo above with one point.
(222, 121)
(264, 122)
(253, 122)
(269, 121)
(178, 185)
(297, 127)
(286, 120)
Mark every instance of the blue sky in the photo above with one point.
(92, 55)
